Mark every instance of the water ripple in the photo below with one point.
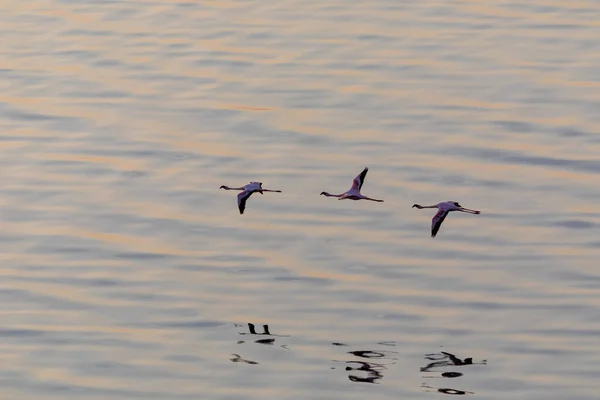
(124, 266)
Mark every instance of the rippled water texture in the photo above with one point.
(127, 273)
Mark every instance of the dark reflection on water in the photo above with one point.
(445, 359)
(368, 371)
(266, 341)
(373, 371)
(266, 332)
(444, 390)
(238, 358)
(363, 370)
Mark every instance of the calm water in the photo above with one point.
(127, 274)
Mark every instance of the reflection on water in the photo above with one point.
(252, 330)
(361, 370)
(373, 371)
(368, 371)
(266, 341)
(445, 359)
(238, 358)
(444, 390)
(265, 332)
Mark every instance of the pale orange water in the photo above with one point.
(127, 274)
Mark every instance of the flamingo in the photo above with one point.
(247, 190)
(354, 192)
(444, 208)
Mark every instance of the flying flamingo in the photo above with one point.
(444, 208)
(354, 192)
(252, 187)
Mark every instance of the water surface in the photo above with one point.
(127, 274)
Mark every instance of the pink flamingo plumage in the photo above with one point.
(354, 192)
(444, 208)
(247, 190)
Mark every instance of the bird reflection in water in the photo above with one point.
(445, 359)
(265, 341)
(373, 371)
(444, 390)
(265, 332)
(238, 358)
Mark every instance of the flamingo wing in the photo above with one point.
(360, 179)
(242, 197)
(437, 220)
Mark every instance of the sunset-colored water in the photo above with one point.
(127, 274)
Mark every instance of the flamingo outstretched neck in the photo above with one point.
(330, 195)
(420, 207)
(228, 188)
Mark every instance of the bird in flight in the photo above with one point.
(444, 208)
(354, 192)
(247, 190)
